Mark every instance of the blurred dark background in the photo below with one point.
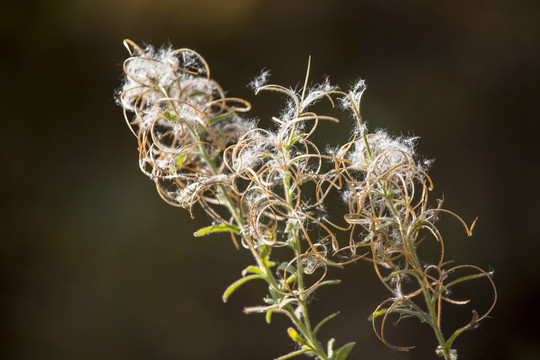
(95, 266)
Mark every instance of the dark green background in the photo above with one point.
(94, 266)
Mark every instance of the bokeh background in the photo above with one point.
(95, 266)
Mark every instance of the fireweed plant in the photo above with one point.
(269, 188)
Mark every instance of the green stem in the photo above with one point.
(302, 323)
(305, 329)
(430, 303)
(433, 320)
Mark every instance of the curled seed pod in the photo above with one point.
(183, 122)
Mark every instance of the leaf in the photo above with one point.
(267, 155)
(237, 284)
(291, 278)
(286, 301)
(294, 140)
(326, 282)
(170, 116)
(296, 337)
(323, 321)
(198, 93)
(290, 268)
(180, 160)
(458, 332)
(457, 281)
(217, 228)
(268, 316)
(274, 294)
(293, 354)
(343, 352)
(219, 117)
(291, 224)
(252, 270)
(376, 314)
(421, 316)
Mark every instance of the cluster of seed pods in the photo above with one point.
(275, 184)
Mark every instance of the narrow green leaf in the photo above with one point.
(458, 332)
(294, 140)
(276, 296)
(268, 316)
(296, 337)
(180, 160)
(286, 301)
(267, 155)
(291, 278)
(170, 116)
(327, 282)
(237, 284)
(376, 314)
(466, 278)
(252, 270)
(291, 224)
(343, 352)
(290, 268)
(219, 117)
(457, 281)
(421, 316)
(323, 321)
(293, 354)
(217, 228)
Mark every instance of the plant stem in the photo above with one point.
(417, 266)
(306, 324)
(433, 322)
(302, 323)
